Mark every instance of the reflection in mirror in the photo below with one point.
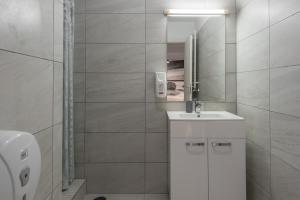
(196, 58)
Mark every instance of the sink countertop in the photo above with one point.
(204, 115)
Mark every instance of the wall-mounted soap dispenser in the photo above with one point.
(161, 84)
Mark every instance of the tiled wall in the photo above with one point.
(268, 95)
(31, 56)
(121, 128)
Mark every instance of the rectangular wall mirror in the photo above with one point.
(196, 58)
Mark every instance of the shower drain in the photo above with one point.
(100, 198)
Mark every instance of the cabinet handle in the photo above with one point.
(195, 144)
(221, 144)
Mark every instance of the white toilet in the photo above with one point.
(20, 165)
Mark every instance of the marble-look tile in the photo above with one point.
(44, 139)
(285, 90)
(156, 28)
(280, 10)
(57, 193)
(285, 132)
(114, 147)
(253, 52)
(115, 87)
(115, 6)
(79, 6)
(156, 115)
(57, 154)
(26, 87)
(79, 28)
(78, 87)
(241, 3)
(230, 58)
(115, 117)
(212, 65)
(156, 178)
(285, 180)
(79, 148)
(252, 18)
(217, 106)
(58, 93)
(156, 58)
(115, 28)
(116, 196)
(115, 58)
(115, 178)
(28, 34)
(230, 87)
(285, 42)
(156, 147)
(257, 125)
(79, 57)
(79, 115)
(255, 192)
(150, 89)
(258, 165)
(58, 30)
(253, 88)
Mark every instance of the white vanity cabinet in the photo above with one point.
(207, 162)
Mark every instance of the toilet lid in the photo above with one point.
(6, 185)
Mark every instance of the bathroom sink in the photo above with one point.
(205, 115)
(214, 124)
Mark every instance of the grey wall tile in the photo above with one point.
(79, 6)
(156, 178)
(79, 117)
(116, 6)
(257, 125)
(285, 90)
(284, 37)
(279, 10)
(32, 35)
(79, 150)
(44, 139)
(79, 28)
(156, 196)
(26, 87)
(80, 171)
(58, 30)
(156, 58)
(115, 28)
(57, 193)
(115, 87)
(230, 87)
(57, 154)
(121, 178)
(249, 23)
(79, 57)
(230, 23)
(253, 52)
(230, 58)
(156, 117)
(156, 28)
(79, 87)
(255, 192)
(286, 138)
(258, 165)
(217, 106)
(115, 58)
(285, 181)
(58, 93)
(253, 88)
(115, 117)
(117, 196)
(241, 3)
(114, 147)
(157, 6)
(156, 147)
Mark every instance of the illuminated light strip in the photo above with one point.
(193, 12)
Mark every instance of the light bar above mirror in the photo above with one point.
(193, 12)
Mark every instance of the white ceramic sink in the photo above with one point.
(215, 124)
(204, 115)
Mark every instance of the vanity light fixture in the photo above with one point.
(193, 12)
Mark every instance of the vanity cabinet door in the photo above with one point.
(227, 170)
(188, 169)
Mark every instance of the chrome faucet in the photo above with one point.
(198, 108)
